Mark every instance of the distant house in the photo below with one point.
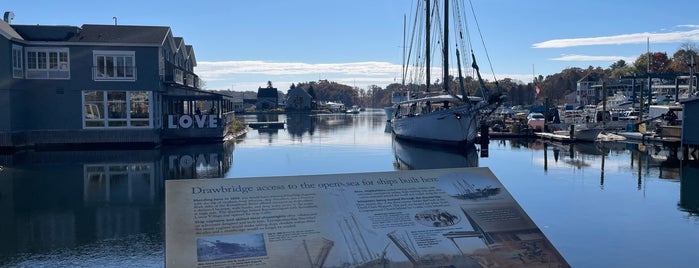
(267, 98)
(571, 98)
(585, 93)
(298, 99)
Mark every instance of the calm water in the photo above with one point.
(601, 205)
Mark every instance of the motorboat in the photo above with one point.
(536, 121)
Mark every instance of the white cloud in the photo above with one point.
(215, 69)
(248, 75)
(574, 57)
(634, 38)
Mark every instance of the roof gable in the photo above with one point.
(169, 41)
(192, 58)
(181, 47)
(298, 91)
(8, 32)
(178, 42)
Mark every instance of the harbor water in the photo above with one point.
(600, 204)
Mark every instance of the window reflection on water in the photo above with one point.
(68, 199)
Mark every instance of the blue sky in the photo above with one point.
(242, 44)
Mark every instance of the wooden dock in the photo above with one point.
(648, 137)
(272, 125)
(556, 137)
(509, 135)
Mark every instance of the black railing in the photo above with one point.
(177, 75)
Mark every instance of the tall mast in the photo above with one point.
(427, 45)
(445, 49)
(402, 79)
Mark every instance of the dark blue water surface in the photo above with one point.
(601, 205)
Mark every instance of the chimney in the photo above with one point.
(8, 17)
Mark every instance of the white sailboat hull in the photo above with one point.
(582, 133)
(455, 125)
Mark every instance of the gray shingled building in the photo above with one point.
(102, 84)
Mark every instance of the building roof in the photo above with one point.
(7, 31)
(46, 32)
(298, 91)
(122, 34)
(267, 92)
(590, 77)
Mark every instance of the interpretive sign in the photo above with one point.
(459, 217)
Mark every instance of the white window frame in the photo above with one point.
(103, 120)
(47, 62)
(102, 71)
(17, 62)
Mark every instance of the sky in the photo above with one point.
(240, 45)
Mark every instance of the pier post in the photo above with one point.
(485, 139)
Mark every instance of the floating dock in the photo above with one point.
(509, 135)
(556, 137)
(648, 137)
(274, 125)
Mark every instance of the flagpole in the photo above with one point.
(536, 87)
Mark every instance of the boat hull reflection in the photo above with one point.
(411, 155)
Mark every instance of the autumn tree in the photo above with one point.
(325, 90)
(682, 59)
(619, 69)
(659, 63)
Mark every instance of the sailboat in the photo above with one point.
(445, 117)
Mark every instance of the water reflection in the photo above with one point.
(334, 122)
(105, 208)
(689, 188)
(642, 158)
(65, 199)
(199, 161)
(412, 155)
(299, 125)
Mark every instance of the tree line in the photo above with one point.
(554, 87)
